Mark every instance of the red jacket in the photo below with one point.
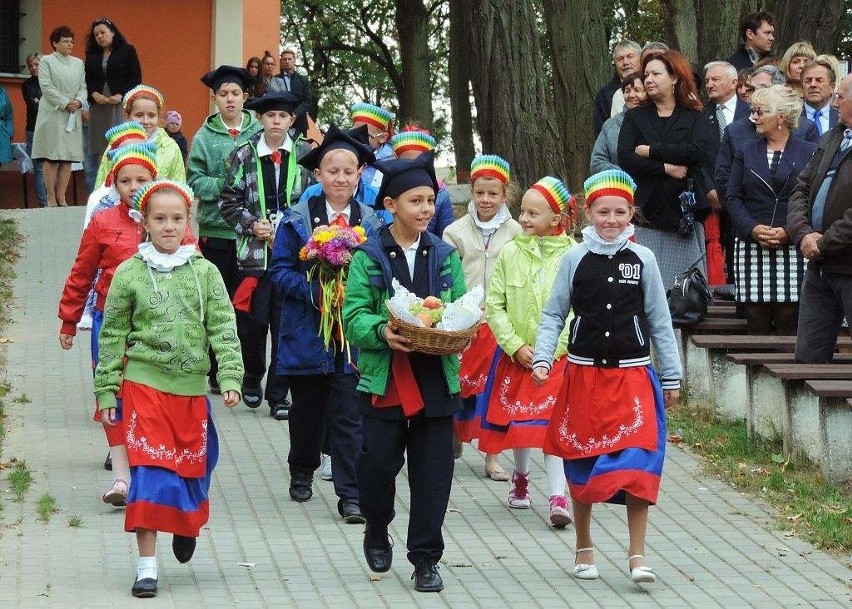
(110, 238)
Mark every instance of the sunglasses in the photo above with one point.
(760, 112)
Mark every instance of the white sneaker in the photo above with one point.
(325, 467)
(519, 497)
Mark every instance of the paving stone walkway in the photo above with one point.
(710, 546)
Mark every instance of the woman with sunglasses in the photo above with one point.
(768, 269)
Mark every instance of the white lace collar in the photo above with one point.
(494, 223)
(599, 245)
(162, 262)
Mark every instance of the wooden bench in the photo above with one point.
(821, 425)
(714, 382)
(717, 311)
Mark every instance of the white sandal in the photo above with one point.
(117, 495)
(643, 574)
(584, 570)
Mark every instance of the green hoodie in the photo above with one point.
(158, 328)
(207, 168)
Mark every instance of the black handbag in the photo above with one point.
(689, 296)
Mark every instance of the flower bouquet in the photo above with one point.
(330, 248)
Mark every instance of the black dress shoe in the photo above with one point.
(108, 462)
(280, 411)
(378, 550)
(300, 486)
(252, 395)
(183, 547)
(144, 588)
(426, 577)
(351, 511)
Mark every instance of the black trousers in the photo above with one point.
(223, 254)
(326, 407)
(823, 302)
(429, 445)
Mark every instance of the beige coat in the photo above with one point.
(477, 263)
(62, 78)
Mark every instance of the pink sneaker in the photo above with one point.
(560, 515)
(519, 497)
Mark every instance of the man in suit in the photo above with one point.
(818, 82)
(724, 107)
(757, 31)
(297, 83)
(609, 100)
(818, 221)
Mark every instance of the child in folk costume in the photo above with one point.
(144, 105)
(157, 361)
(517, 411)
(609, 423)
(408, 398)
(110, 238)
(478, 237)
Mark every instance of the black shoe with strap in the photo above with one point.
(280, 411)
(300, 485)
(378, 550)
(144, 588)
(252, 395)
(426, 577)
(350, 510)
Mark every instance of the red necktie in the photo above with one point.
(276, 157)
(234, 133)
(340, 221)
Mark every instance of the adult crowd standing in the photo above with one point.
(659, 143)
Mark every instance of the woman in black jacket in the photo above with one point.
(667, 145)
(768, 268)
(112, 69)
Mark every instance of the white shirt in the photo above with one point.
(263, 149)
(411, 256)
(617, 102)
(332, 214)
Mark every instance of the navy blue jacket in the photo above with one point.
(756, 197)
(300, 350)
(736, 135)
(603, 102)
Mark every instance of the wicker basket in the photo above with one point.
(433, 341)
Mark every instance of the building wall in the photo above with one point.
(261, 28)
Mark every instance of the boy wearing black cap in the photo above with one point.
(256, 193)
(408, 398)
(207, 167)
(322, 380)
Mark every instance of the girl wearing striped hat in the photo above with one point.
(157, 362)
(478, 236)
(517, 410)
(144, 104)
(379, 123)
(112, 236)
(124, 134)
(613, 434)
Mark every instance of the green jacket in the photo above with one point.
(519, 288)
(207, 168)
(365, 313)
(169, 161)
(164, 324)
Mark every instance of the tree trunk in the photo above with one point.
(412, 24)
(514, 111)
(459, 82)
(704, 30)
(681, 26)
(575, 29)
(820, 23)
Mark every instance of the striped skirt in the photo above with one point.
(612, 421)
(765, 275)
(173, 447)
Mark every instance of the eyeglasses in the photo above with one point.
(760, 112)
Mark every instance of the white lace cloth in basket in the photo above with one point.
(458, 315)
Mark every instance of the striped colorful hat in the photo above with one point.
(376, 116)
(409, 140)
(612, 182)
(123, 133)
(143, 155)
(143, 195)
(489, 166)
(142, 92)
(555, 193)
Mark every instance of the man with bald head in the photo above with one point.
(819, 222)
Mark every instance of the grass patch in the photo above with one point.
(10, 243)
(22, 399)
(75, 521)
(46, 507)
(808, 505)
(20, 479)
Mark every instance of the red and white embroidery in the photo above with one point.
(518, 407)
(593, 444)
(161, 453)
(472, 381)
